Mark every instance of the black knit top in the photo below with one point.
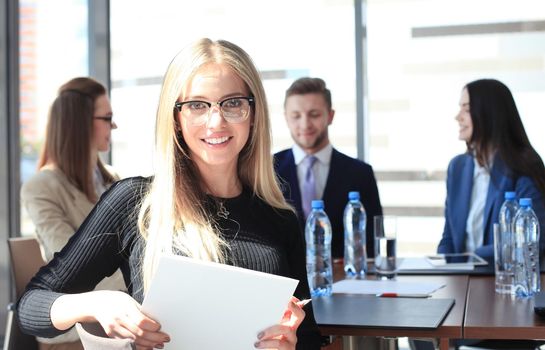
(260, 237)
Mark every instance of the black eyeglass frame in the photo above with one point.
(107, 118)
(250, 99)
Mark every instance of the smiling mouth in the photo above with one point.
(217, 140)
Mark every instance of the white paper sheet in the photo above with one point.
(204, 305)
(385, 286)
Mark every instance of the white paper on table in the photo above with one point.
(421, 263)
(384, 286)
(205, 305)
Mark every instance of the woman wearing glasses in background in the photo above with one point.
(71, 176)
(214, 197)
(499, 158)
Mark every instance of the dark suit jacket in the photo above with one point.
(459, 186)
(345, 174)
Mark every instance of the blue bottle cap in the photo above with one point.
(317, 204)
(353, 195)
(525, 202)
(510, 195)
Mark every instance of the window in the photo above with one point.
(52, 50)
(303, 38)
(420, 55)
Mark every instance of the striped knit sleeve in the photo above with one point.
(95, 251)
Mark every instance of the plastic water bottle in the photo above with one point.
(508, 211)
(318, 238)
(355, 254)
(504, 260)
(526, 250)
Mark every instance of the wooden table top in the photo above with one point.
(490, 315)
(455, 288)
(478, 313)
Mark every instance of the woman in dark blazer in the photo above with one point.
(499, 158)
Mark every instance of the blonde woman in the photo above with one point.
(214, 197)
(71, 176)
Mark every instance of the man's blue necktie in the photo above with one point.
(309, 185)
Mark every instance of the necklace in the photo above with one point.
(222, 212)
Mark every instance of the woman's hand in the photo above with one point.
(120, 316)
(283, 336)
(117, 312)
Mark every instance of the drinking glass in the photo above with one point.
(503, 260)
(385, 245)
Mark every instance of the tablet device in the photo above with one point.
(456, 259)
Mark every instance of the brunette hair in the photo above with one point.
(69, 133)
(304, 86)
(498, 129)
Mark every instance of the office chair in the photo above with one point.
(26, 259)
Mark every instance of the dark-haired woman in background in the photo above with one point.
(71, 176)
(499, 158)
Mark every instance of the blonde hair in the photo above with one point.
(172, 216)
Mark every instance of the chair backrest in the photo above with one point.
(26, 260)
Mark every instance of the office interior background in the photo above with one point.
(395, 69)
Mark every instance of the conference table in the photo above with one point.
(495, 316)
(478, 313)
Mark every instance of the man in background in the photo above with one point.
(313, 169)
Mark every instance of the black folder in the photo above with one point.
(376, 312)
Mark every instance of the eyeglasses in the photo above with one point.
(106, 118)
(232, 109)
